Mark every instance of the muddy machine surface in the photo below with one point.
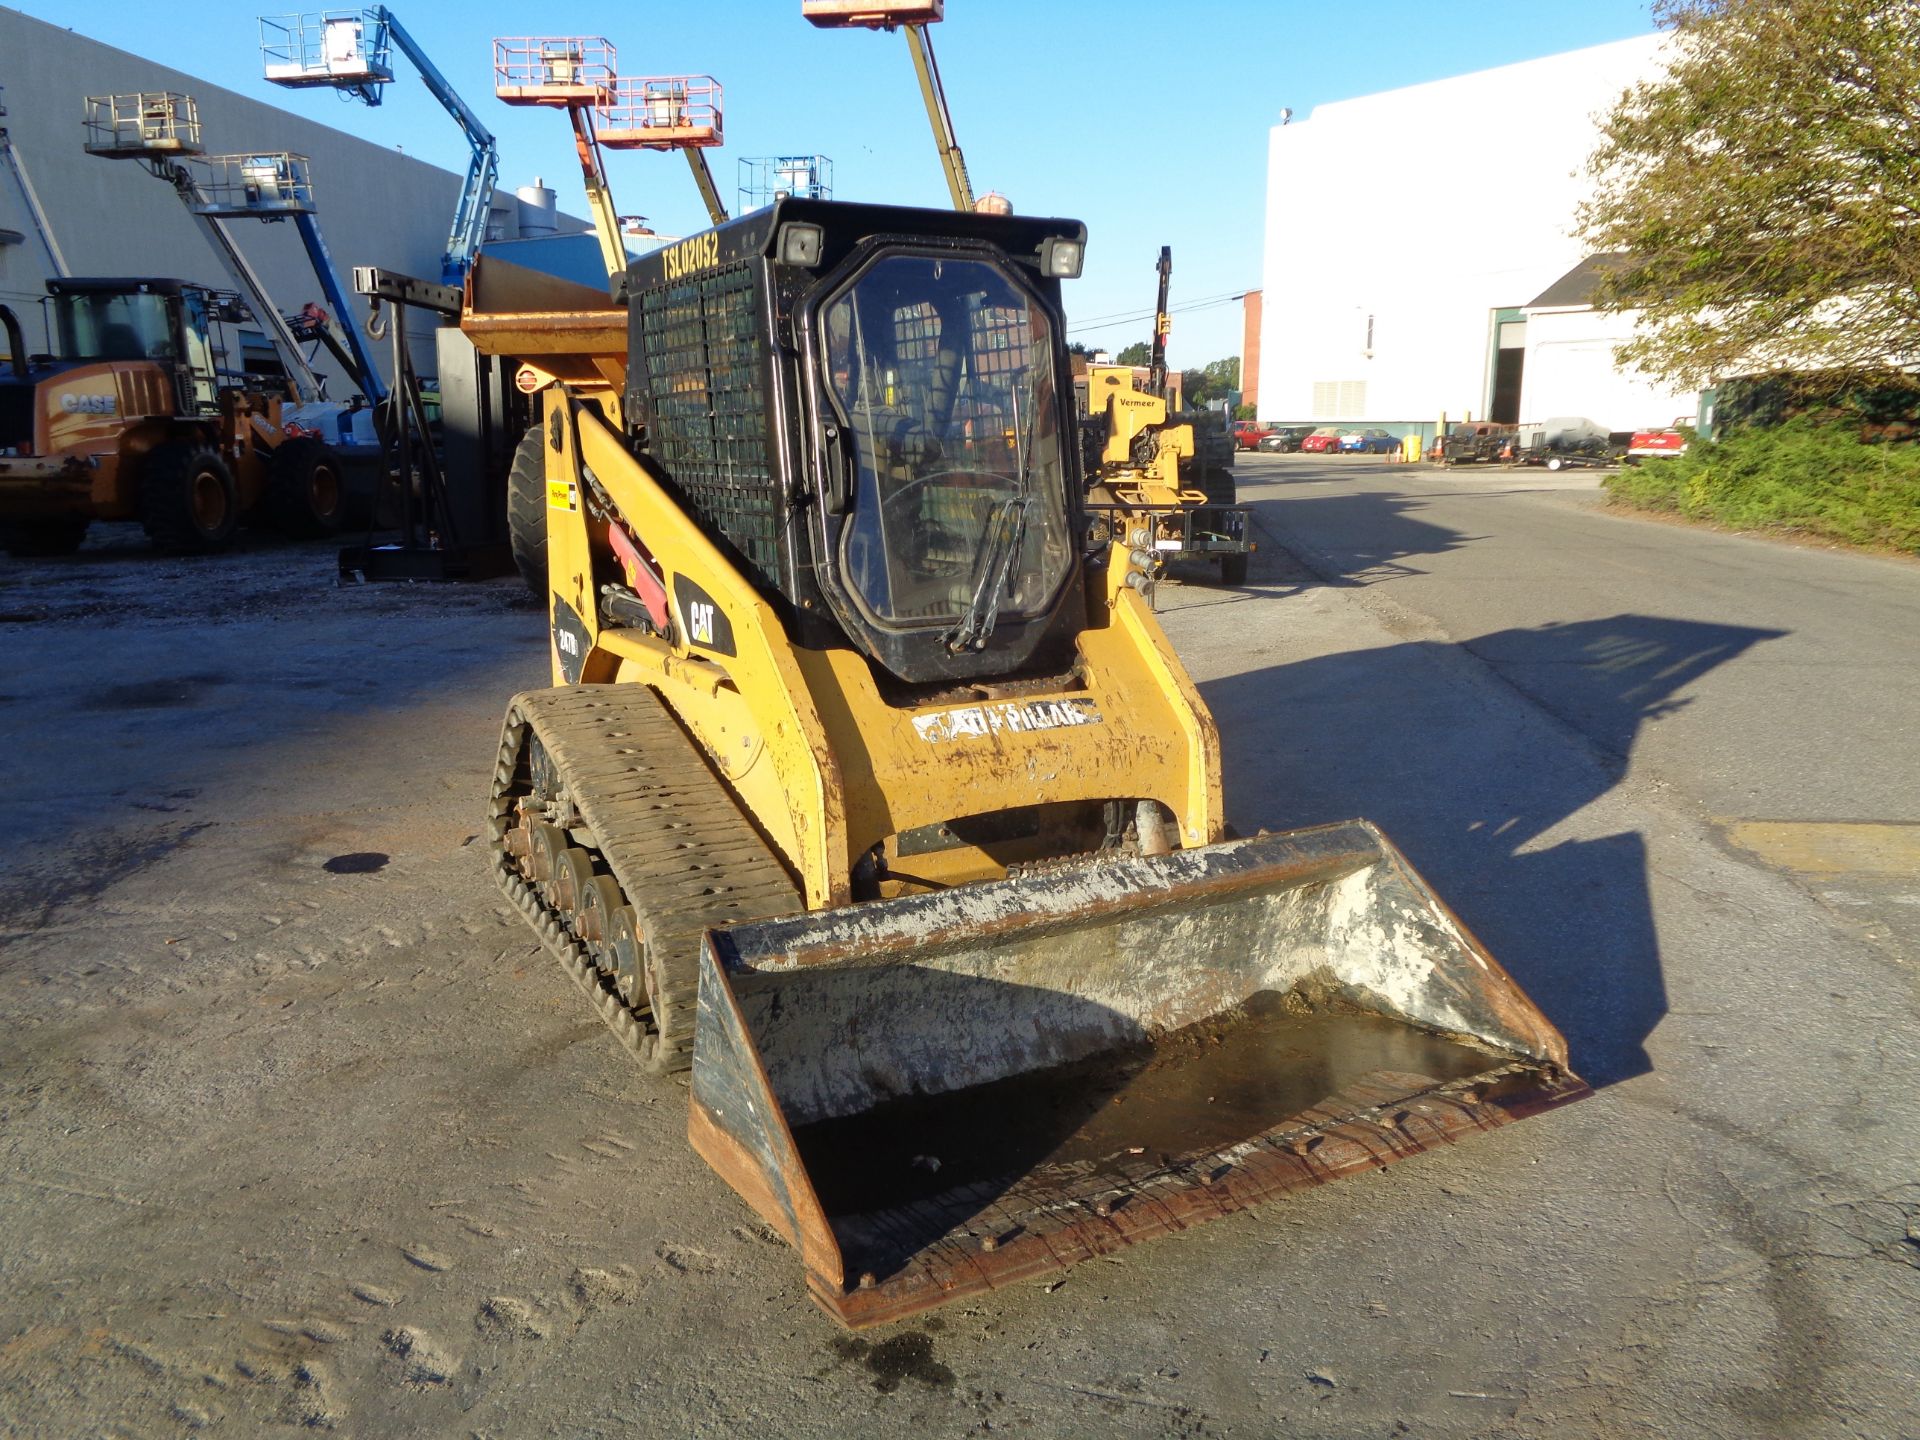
(871, 790)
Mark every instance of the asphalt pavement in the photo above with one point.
(1774, 684)
(300, 1130)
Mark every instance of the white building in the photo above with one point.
(1419, 260)
(1569, 367)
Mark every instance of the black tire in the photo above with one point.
(188, 503)
(306, 489)
(527, 509)
(1218, 486)
(1222, 489)
(33, 539)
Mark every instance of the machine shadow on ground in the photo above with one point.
(1380, 533)
(1472, 793)
(1392, 534)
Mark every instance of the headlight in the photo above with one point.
(1061, 259)
(801, 244)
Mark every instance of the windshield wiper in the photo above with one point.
(999, 548)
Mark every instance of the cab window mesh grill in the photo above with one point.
(702, 371)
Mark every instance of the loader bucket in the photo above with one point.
(933, 1096)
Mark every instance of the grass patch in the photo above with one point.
(1802, 477)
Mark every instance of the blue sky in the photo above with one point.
(1147, 121)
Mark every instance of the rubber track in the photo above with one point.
(662, 823)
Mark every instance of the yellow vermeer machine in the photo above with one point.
(1144, 464)
(870, 789)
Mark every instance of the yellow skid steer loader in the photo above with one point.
(871, 790)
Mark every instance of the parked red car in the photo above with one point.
(1247, 434)
(1660, 444)
(1324, 441)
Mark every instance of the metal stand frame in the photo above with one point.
(429, 546)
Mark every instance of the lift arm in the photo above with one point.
(476, 195)
(606, 224)
(34, 213)
(1162, 323)
(931, 90)
(306, 384)
(703, 178)
(367, 373)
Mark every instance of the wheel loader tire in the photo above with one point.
(32, 539)
(527, 510)
(305, 493)
(1233, 569)
(188, 503)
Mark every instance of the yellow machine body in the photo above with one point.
(825, 765)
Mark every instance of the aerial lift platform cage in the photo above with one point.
(265, 185)
(558, 70)
(142, 125)
(667, 112)
(872, 14)
(762, 179)
(345, 49)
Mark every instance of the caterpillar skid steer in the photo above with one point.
(871, 791)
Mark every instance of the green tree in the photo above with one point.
(1763, 195)
(1213, 382)
(1224, 375)
(1138, 353)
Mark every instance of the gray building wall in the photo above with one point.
(111, 217)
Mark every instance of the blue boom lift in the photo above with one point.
(352, 51)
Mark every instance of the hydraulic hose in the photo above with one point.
(16, 343)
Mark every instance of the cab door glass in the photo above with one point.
(942, 372)
(196, 330)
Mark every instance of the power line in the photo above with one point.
(1146, 316)
(1185, 304)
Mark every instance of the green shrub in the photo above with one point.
(1802, 476)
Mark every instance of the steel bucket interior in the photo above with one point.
(941, 1094)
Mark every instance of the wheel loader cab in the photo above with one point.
(164, 322)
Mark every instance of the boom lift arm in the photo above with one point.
(35, 213)
(593, 175)
(360, 354)
(306, 384)
(944, 139)
(348, 52)
(1162, 323)
(483, 169)
(703, 180)
(576, 73)
(912, 16)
